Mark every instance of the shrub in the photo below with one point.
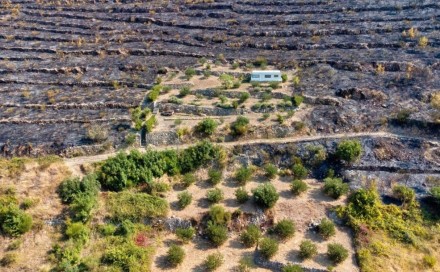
(292, 268)
(175, 255)
(243, 175)
(219, 215)
(13, 221)
(268, 247)
(335, 187)
(265, 195)
(317, 154)
(297, 100)
(207, 126)
(284, 77)
(135, 206)
(435, 192)
(97, 134)
(215, 195)
(298, 187)
(349, 150)
(189, 73)
(274, 85)
(78, 232)
(185, 234)
(184, 91)
(307, 249)
(337, 253)
(227, 81)
(284, 229)
(326, 228)
(271, 170)
(217, 234)
(188, 179)
(9, 259)
(429, 261)
(184, 199)
(299, 171)
(240, 126)
(214, 261)
(404, 194)
(215, 176)
(245, 264)
(153, 95)
(107, 229)
(241, 195)
(243, 97)
(250, 236)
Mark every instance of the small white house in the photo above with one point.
(266, 76)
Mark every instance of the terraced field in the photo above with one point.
(66, 67)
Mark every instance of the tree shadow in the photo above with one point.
(235, 243)
(231, 202)
(322, 259)
(203, 203)
(286, 194)
(293, 256)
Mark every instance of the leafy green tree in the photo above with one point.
(227, 81)
(297, 100)
(335, 187)
(349, 150)
(14, 222)
(265, 195)
(215, 195)
(207, 126)
(404, 194)
(215, 176)
(219, 215)
(188, 179)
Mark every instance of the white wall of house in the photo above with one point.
(266, 76)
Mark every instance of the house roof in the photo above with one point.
(266, 71)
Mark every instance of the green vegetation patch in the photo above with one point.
(135, 206)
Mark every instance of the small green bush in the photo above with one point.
(189, 73)
(241, 195)
(335, 187)
(27, 203)
(284, 229)
(292, 268)
(299, 171)
(217, 234)
(245, 264)
(265, 195)
(215, 176)
(219, 215)
(14, 222)
(337, 253)
(9, 259)
(250, 236)
(78, 232)
(270, 170)
(268, 247)
(215, 195)
(175, 255)
(349, 150)
(207, 126)
(404, 194)
(214, 261)
(284, 77)
(188, 179)
(243, 175)
(240, 126)
(184, 91)
(243, 97)
(184, 199)
(274, 85)
(298, 187)
(297, 100)
(326, 228)
(307, 249)
(429, 261)
(435, 193)
(107, 229)
(185, 234)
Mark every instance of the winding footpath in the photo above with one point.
(74, 163)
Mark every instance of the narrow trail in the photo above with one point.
(74, 163)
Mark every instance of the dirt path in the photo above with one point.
(75, 163)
